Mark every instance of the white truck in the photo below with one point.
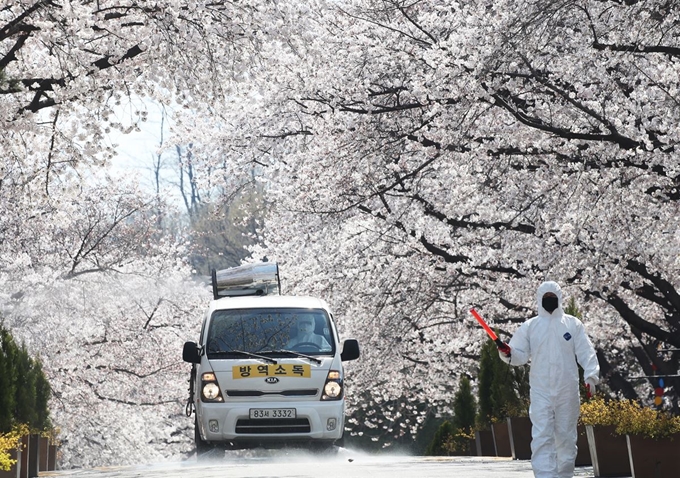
(267, 368)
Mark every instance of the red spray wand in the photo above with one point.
(502, 346)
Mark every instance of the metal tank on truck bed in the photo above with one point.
(267, 368)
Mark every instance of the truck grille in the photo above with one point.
(283, 425)
(312, 392)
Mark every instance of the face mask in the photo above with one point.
(549, 303)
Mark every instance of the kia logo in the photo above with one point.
(272, 380)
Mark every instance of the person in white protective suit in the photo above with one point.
(306, 335)
(554, 342)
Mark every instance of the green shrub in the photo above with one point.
(453, 437)
(438, 445)
(629, 418)
(24, 389)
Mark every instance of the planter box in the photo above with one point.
(608, 451)
(519, 430)
(583, 455)
(44, 450)
(23, 469)
(52, 458)
(501, 438)
(14, 471)
(472, 447)
(34, 456)
(650, 458)
(484, 443)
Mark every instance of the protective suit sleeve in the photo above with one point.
(519, 344)
(586, 356)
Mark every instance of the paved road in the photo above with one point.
(347, 464)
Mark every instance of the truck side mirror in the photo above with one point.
(191, 352)
(350, 350)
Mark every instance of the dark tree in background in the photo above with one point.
(464, 406)
(24, 389)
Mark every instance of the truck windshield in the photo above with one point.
(269, 331)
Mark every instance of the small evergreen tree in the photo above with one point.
(43, 391)
(8, 380)
(520, 380)
(464, 407)
(24, 389)
(465, 414)
(503, 388)
(572, 309)
(438, 445)
(486, 379)
(24, 405)
(452, 437)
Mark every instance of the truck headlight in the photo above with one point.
(332, 389)
(210, 389)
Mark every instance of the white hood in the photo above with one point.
(544, 288)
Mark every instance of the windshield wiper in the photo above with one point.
(248, 354)
(297, 354)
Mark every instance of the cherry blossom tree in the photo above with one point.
(419, 158)
(428, 157)
(107, 303)
(112, 347)
(87, 277)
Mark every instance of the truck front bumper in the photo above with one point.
(230, 423)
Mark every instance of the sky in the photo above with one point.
(137, 150)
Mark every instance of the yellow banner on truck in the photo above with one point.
(271, 370)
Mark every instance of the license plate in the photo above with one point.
(257, 413)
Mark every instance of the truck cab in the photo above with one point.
(267, 369)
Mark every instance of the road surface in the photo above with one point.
(347, 464)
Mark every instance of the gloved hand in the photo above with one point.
(504, 352)
(590, 386)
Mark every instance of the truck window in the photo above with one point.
(266, 330)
